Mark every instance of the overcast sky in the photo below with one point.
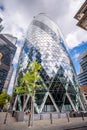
(17, 15)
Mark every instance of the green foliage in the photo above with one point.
(35, 67)
(4, 97)
(30, 81)
(20, 90)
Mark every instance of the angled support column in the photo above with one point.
(70, 101)
(84, 98)
(15, 102)
(45, 98)
(24, 106)
(81, 104)
(53, 102)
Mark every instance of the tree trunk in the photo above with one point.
(32, 102)
(32, 105)
(24, 99)
(8, 106)
(29, 121)
(31, 114)
(32, 111)
(6, 117)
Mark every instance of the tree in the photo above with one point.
(29, 83)
(4, 98)
(4, 102)
(21, 88)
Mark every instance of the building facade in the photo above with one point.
(84, 92)
(1, 27)
(81, 16)
(82, 77)
(46, 45)
(7, 50)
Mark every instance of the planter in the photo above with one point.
(19, 116)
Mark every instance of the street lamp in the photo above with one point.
(0, 57)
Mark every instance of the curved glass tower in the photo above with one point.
(45, 44)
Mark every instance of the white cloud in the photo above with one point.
(73, 34)
(19, 13)
(71, 40)
(75, 57)
(76, 37)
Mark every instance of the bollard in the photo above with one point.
(67, 115)
(51, 120)
(59, 115)
(41, 117)
(82, 114)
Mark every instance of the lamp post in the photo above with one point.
(0, 57)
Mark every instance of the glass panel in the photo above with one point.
(46, 45)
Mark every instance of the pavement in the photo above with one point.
(58, 124)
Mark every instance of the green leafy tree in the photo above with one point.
(4, 102)
(4, 98)
(29, 83)
(21, 89)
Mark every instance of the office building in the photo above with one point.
(7, 52)
(83, 89)
(46, 45)
(81, 16)
(82, 77)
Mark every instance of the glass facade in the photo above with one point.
(45, 44)
(7, 49)
(1, 27)
(82, 77)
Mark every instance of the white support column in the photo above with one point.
(81, 104)
(53, 102)
(84, 97)
(24, 106)
(70, 101)
(36, 108)
(44, 100)
(15, 102)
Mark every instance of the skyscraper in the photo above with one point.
(45, 44)
(82, 77)
(7, 50)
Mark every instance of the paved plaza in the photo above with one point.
(58, 124)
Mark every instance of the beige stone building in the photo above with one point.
(81, 16)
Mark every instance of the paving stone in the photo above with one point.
(58, 124)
